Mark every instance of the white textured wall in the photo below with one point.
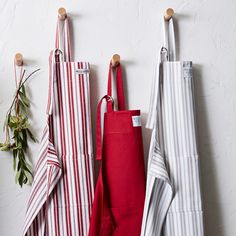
(206, 34)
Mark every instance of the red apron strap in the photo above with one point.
(101, 222)
(62, 52)
(119, 88)
(98, 127)
(63, 38)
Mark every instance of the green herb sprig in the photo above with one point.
(17, 130)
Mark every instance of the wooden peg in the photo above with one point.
(169, 14)
(62, 13)
(115, 60)
(18, 59)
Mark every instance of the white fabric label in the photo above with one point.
(136, 121)
(82, 71)
(187, 69)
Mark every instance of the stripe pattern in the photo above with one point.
(62, 193)
(173, 205)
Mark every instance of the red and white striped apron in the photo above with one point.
(62, 192)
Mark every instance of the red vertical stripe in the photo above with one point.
(75, 151)
(63, 136)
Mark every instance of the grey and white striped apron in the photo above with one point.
(173, 200)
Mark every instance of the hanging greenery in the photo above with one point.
(17, 130)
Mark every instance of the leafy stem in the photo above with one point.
(21, 84)
(17, 128)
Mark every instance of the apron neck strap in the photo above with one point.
(119, 88)
(167, 53)
(110, 104)
(62, 41)
(55, 55)
(155, 93)
(169, 39)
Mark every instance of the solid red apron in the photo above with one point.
(120, 190)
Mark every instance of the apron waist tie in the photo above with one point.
(109, 100)
(102, 219)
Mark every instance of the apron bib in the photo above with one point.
(173, 200)
(62, 193)
(120, 190)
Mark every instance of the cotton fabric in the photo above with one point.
(173, 204)
(60, 202)
(120, 190)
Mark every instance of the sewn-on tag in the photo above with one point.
(187, 69)
(136, 120)
(82, 71)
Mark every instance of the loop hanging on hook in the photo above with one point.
(169, 14)
(19, 59)
(115, 60)
(62, 13)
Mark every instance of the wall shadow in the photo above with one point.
(210, 190)
(146, 133)
(177, 38)
(125, 84)
(72, 37)
(179, 17)
(94, 102)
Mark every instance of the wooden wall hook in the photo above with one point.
(18, 59)
(115, 60)
(169, 14)
(62, 13)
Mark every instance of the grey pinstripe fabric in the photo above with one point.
(173, 200)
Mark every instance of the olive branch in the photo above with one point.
(17, 130)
